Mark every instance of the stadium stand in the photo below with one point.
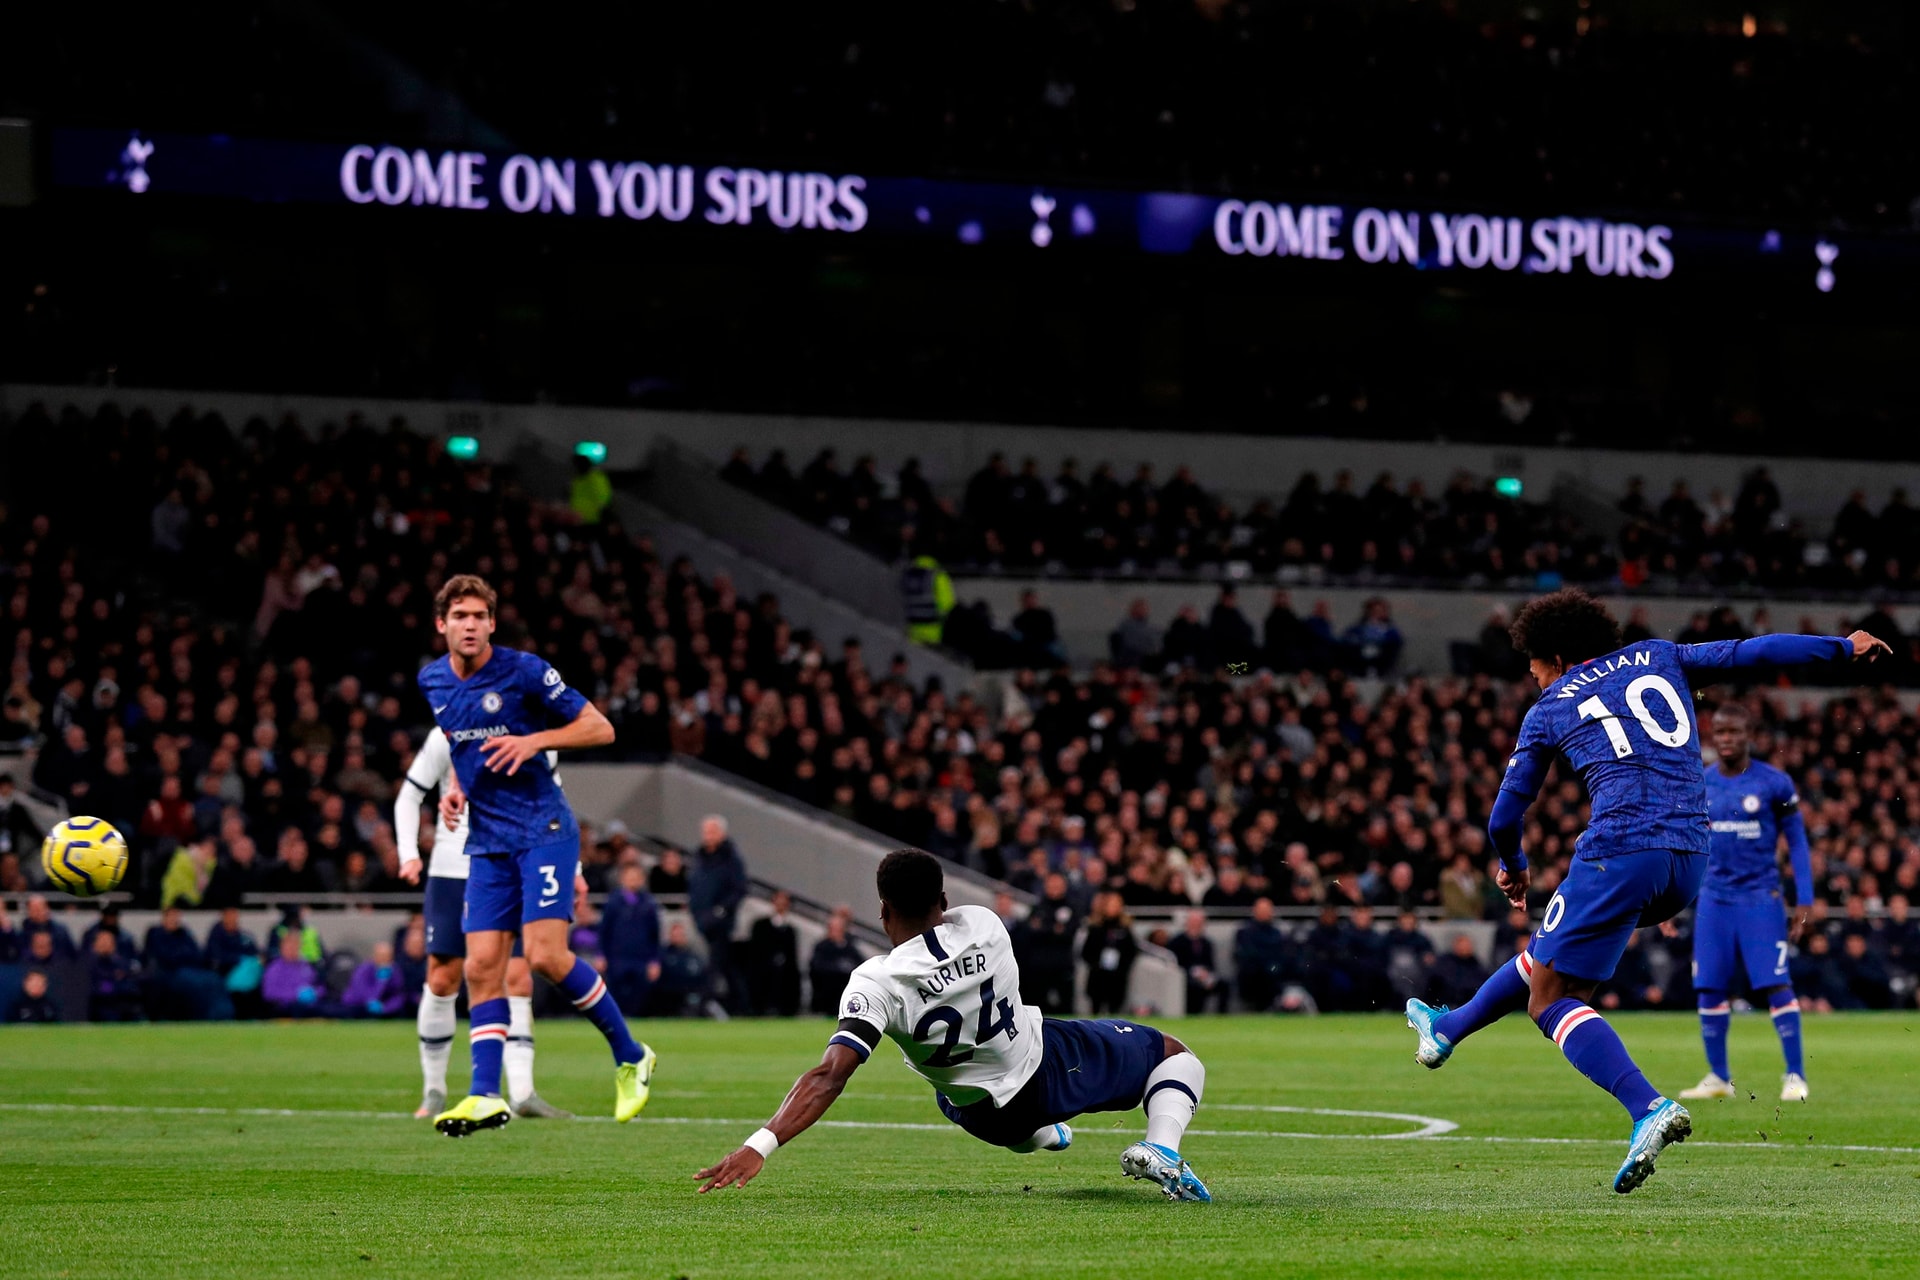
(1417, 532)
(219, 661)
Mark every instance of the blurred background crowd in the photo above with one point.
(220, 662)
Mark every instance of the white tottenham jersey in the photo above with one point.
(431, 767)
(950, 999)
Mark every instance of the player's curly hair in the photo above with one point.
(1567, 626)
(910, 882)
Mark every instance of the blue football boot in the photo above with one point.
(1158, 1164)
(1434, 1050)
(1653, 1133)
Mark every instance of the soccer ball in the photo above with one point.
(84, 856)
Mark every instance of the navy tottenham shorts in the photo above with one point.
(1091, 1064)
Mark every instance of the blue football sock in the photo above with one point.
(1596, 1052)
(1503, 993)
(1786, 1022)
(588, 991)
(1715, 1014)
(489, 1039)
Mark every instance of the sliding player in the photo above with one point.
(1623, 718)
(447, 946)
(1740, 919)
(523, 844)
(949, 995)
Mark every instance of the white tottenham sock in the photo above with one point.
(435, 1022)
(518, 1060)
(1173, 1095)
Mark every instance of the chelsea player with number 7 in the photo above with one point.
(1623, 719)
(1741, 922)
(502, 711)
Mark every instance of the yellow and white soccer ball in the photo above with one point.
(84, 856)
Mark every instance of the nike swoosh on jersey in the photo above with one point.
(442, 707)
(547, 902)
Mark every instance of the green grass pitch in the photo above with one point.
(280, 1150)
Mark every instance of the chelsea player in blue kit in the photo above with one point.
(1740, 920)
(495, 706)
(1623, 719)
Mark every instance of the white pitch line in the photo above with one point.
(1429, 1134)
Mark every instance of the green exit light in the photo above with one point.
(463, 447)
(1508, 486)
(592, 450)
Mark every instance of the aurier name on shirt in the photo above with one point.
(967, 966)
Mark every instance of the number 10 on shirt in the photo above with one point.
(1678, 736)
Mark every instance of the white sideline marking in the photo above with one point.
(1432, 1130)
(1429, 1126)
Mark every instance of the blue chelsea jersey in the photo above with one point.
(515, 693)
(1625, 723)
(1746, 811)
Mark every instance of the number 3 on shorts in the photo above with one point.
(551, 889)
(1555, 909)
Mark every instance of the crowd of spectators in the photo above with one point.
(1751, 540)
(172, 974)
(1185, 790)
(246, 730)
(1022, 521)
(217, 653)
(1468, 535)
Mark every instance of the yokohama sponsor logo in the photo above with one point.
(475, 735)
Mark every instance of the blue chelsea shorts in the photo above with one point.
(1729, 934)
(507, 890)
(1603, 900)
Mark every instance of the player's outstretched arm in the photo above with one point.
(508, 752)
(1781, 651)
(806, 1102)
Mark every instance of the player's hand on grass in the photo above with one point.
(1513, 884)
(737, 1170)
(1797, 923)
(507, 753)
(410, 871)
(1867, 646)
